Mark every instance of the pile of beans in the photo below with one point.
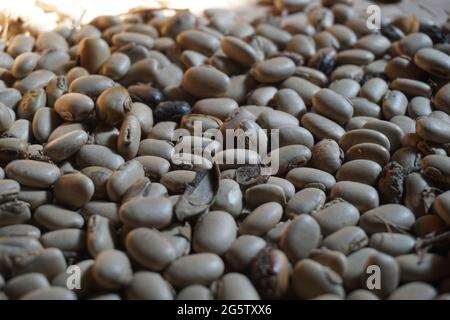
(90, 175)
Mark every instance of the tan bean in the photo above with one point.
(205, 82)
(116, 66)
(200, 268)
(73, 190)
(147, 212)
(155, 257)
(321, 127)
(240, 51)
(311, 279)
(300, 238)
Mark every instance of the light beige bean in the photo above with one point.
(116, 66)
(377, 44)
(73, 190)
(235, 286)
(144, 115)
(24, 64)
(374, 89)
(100, 235)
(295, 135)
(32, 173)
(240, 51)
(304, 88)
(262, 219)
(301, 44)
(349, 88)
(436, 167)
(50, 293)
(433, 129)
(354, 137)
(263, 193)
(243, 250)
(362, 294)
(228, 197)
(123, 178)
(287, 158)
(336, 215)
(51, 40)
(53, 217)
(66, 146)
(129, 137)
(362, 196)
(148, 286)
(14, 212)
(347, 71)
(442, 98)
(327, 156)
(6, 121)
(217, 107)
(310, 177)
(19, 286)
(414, 291)
(354, 56)
(198, 41)
(157, 148)
(411, 87)
(311, 279)
(9, 190)
(394, 244)
(355, 271)
(365, 108)
(35, 80)
(192, 58)
(74, 106)
(273, 70)
(147, 212)
(31, 102)
(45, 120)
(214, 232)
(321, 127)
(300, 238)
(96, 155)
(21, 43)
(10, 97)
(205, 82)
(362, 171)
(442, 206)
(368, 151)
(346, 240)
(156, 256)
(195, 292)
(112, 269)
(112, 104)
(200, 268)
(91, 85)
(390, 273)
(305, 201)
(67, 240)
(334, 260)
(398, 217)
(389, 129)
(154, 167)
(428, 268)
(332, 105)
(394, 103)
(412, 43)
(105, 209)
